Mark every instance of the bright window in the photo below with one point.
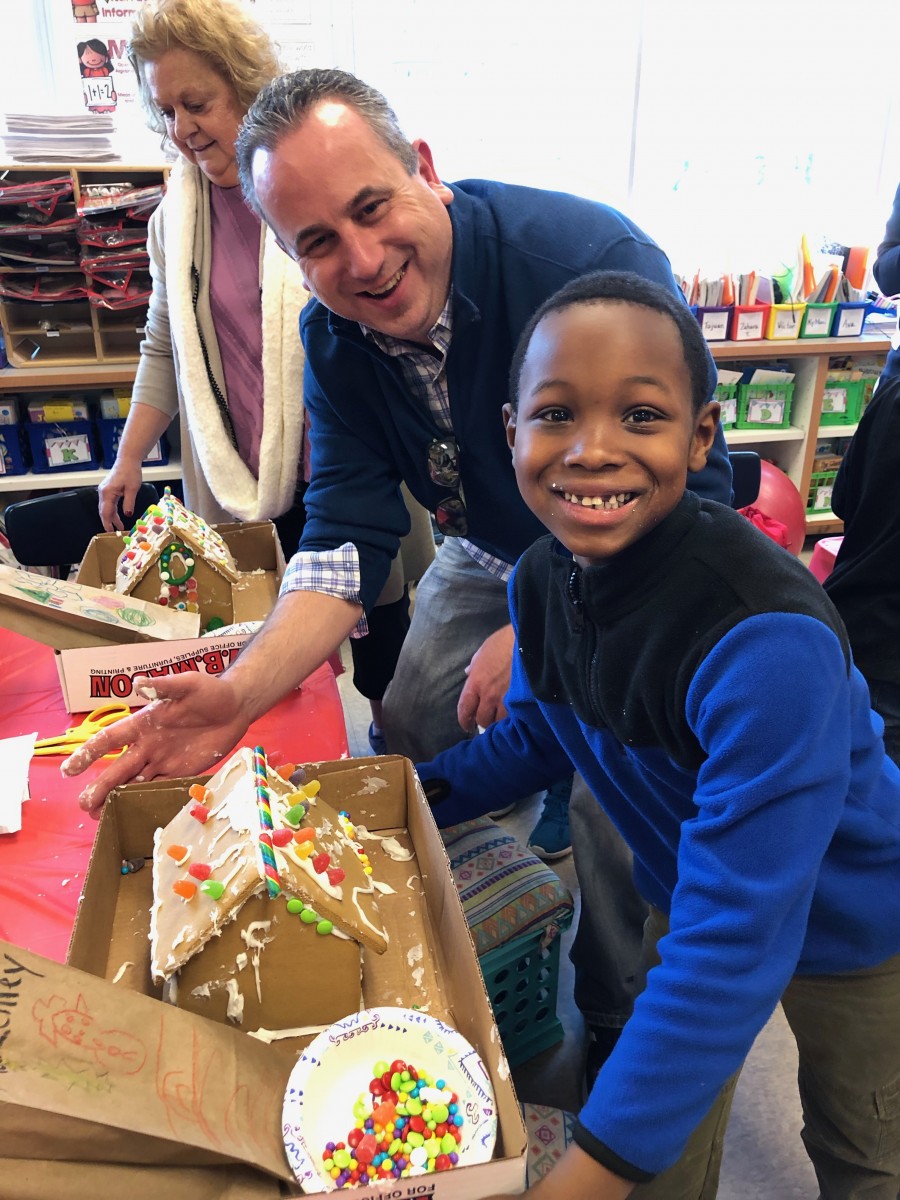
(725, 130)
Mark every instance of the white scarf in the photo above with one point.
(283, 296)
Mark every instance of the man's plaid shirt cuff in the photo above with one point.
(332, 572)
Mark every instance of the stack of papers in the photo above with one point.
(76, 137)
(15, 756)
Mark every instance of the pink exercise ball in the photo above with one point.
(780, 500)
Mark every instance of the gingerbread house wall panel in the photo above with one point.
(303, 978)
(214, 592)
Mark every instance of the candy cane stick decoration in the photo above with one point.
(260, 770)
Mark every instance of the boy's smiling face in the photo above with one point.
(604, 433)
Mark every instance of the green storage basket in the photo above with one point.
(817, 320)
(842, 401)
(764, 405)
(726, 394)
(821, 485)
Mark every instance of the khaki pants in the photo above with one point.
(847, 1029)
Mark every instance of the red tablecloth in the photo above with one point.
(42, 867)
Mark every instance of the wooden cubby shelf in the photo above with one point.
(794, 449)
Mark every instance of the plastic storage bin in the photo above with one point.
(14, 458)
(764, 405)
(818, 320)
(726, 394)
(714, 322)
(842, 401)
(522, 982)
(110, 431)
(849, 319)
(821, 485)
(62, 446)
(784, 321)
(748, 322)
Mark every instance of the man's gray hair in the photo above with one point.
(284, 104)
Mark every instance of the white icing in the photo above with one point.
(273, 1035)
(362, 916)
(372, 784)
(234, 1009)
(201, 991)
(255, 944)
(398, 853)
(414, 954)
(384, 888)
(121, 971)
(241, 961)
(417, 976)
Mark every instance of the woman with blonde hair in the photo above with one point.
(222, 346)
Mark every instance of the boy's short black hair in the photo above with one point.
(628, 288)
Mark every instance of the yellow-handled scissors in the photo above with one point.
(77, 735)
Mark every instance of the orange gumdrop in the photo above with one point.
(385, 1113)
(304, 835)
(197, 792)
(286, 770)
(179, 853)
(184, 888)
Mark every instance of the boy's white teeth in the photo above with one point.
(391, 283)
(608, 503)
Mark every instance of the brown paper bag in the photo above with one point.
(31, 1179)
(91, 1073)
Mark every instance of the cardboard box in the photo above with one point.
(97, 664)
(430, 961)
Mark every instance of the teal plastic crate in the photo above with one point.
(522, 982)
(764, 405)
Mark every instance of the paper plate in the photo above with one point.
(335, 1069)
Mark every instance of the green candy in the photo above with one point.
(415, 1139)
(294, 905)
(342, 1158)
(380, 1067)
(295, 815)
(308, 917)
(408, 1085)
(396, 1081)
(413, 1106)
(212, 888)
(439, 1113)
(448, 1143)
(324, 927)
(432, 1147)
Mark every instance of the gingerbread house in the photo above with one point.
(263, 903)
(174, 558)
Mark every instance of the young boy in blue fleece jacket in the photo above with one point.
(701, 681)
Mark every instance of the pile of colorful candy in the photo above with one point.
(407, 1124)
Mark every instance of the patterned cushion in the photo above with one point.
(549, 1133)
(506, 891)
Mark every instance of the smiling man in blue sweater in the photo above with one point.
(699, 679)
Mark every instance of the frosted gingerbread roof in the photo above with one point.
(152, 537)
(218, 851)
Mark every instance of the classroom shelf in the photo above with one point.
(51, 481)
(793, 449)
